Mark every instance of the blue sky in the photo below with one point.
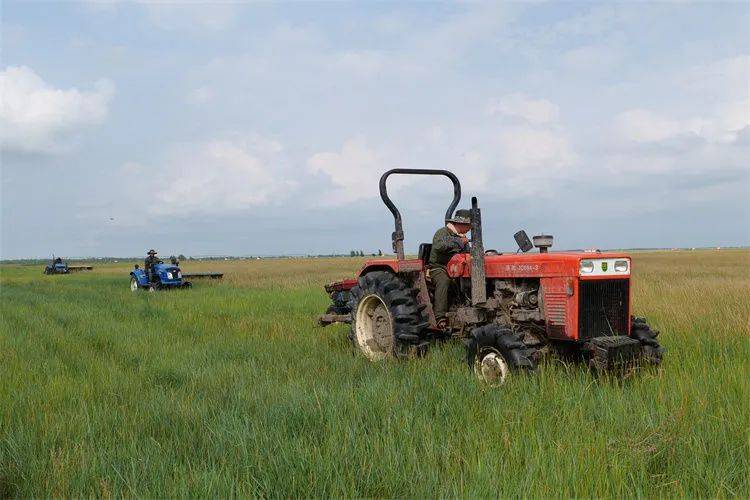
(263, 128)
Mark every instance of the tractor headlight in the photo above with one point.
(169, 276)
(621, 266)
(586, 267)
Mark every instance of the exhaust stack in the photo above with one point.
(478, 274)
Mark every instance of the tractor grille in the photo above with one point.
(603, 308)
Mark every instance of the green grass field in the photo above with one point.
(229, 388)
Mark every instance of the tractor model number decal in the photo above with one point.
(522, 268)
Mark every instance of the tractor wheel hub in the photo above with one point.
(374, 328)
(491, 368)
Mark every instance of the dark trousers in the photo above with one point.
(150, 272)
(442, 286)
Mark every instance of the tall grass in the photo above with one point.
(229, 388)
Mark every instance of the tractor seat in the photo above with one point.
(424, 252)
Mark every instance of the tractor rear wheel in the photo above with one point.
(386, 319)
(651, 351)
(494, 352)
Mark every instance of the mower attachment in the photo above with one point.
(338, 311)
(332, 319)
(72, 269)
(212, 276)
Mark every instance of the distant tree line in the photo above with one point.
(360, 253)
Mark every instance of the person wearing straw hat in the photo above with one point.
(149, 263)
(448, 241)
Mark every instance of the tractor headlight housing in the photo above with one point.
(586, 267)
(621, 266)
(169, 276)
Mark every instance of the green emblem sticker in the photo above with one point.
(604, 266)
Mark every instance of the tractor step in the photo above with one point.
(613, 351)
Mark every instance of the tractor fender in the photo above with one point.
(140, 277)
(392, 266)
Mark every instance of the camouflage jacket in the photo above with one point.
(446, 244)
(150, 261)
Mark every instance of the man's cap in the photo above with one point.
(151, 252)
(462, 216)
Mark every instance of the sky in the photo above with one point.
(263, 128)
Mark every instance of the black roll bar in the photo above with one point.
(398, 235)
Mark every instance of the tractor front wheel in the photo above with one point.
(387, 322)
(133, 284)
(493, 353)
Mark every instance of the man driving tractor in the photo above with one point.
(448, 241)
(149, 263)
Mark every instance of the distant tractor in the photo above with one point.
(157, 276)
(510, 310)
(57, 266)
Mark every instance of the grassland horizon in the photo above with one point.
(231, 389)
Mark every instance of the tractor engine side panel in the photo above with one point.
(560, 307)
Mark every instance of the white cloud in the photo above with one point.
(354, 171)
(36, 117)
(719, 93)
(215, 176)
(528, 147)
(519, 105)
(168, 15)
(598, 58)
(723, 124)
(641, 125)
(190, 16)
(531, 151)
(724, 79)
(200, 95)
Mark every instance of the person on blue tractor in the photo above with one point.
(448, 241)
(149, 263)
(58, 260)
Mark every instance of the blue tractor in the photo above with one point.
(156, 275)
(57, 266)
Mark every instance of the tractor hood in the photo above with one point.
(165, 267)
(548, 265)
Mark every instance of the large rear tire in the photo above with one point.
(651, 351)
(387, 322)
(494, 353)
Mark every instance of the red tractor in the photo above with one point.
(510, 310)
